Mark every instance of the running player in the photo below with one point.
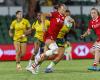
(38, 37)
(56, 23)
(60, 42)
(17, 30)
(94, 24)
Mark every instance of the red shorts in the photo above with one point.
(48, 36)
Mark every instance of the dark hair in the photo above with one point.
(18, 12)
(96, 10)
(38, 13)
(58, 6)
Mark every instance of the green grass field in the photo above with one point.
(65, 70)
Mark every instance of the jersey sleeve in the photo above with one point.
(53, 14)
(12, 25)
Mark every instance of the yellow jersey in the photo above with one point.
(39, 29)
(19, 29)
(63, 31)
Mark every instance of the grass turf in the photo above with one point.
(65, 70)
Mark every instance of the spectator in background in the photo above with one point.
(68, 50)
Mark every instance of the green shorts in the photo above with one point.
(37, 40)
(60, 42)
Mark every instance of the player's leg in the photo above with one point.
(37, 57)
(69, 55)
(92, 50)
(56, 60)
(60, 43)
(23, 49)
(36, 50)
(96, 51)
(17, 48)
(53, 47)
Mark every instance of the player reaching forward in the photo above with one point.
(61, 41)
(94, 24)
(56, 23)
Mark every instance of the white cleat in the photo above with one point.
(31, 69)
(27, 67)
(18, 67)
(37, 69)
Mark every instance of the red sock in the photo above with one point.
(94, 64)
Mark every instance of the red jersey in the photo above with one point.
(95, 25)
(56, 23)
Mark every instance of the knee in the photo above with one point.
(49, 52)
(17, 51)
(53, 46)
(97, 50)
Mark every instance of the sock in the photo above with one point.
(30, 63)
(94, 64)
(52, 64)
(34, 65)
(18, 62)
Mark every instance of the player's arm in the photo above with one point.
(88, 32)
(28, 29)
(11, 33)
(11, 30)
(32, 29)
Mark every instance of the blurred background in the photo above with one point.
(80, 10)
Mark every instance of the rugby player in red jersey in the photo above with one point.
(56, 23)
(94, 24)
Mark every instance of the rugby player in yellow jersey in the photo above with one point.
(60, 42)
(17, 30)
(38, 37)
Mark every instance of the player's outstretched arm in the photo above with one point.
(85, 34)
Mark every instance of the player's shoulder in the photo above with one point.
(55, 12)
(25, 20)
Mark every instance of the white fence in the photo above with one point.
(9, 10)
(74, 9)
